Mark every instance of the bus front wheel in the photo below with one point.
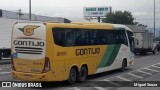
(83, 74)
(124, 65)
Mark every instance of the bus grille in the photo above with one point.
(29, 50)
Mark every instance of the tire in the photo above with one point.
(72, 76)
(154, 52)
(82, 74)
(144, 52)
(123, 68)
(135, 53)
(0, 56)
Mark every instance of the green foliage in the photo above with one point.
(119, 17)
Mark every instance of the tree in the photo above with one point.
(119, 17)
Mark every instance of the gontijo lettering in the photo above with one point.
(28, 43)
(87, 51)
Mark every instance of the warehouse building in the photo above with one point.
(8, 19)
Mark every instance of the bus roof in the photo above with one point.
(98, 25)
(118, 26)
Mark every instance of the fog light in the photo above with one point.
(131, 62)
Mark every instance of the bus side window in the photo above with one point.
(107, 36)
(81, 38)
(70, 37)
(59, 36)
(77, 41)
(101, 37)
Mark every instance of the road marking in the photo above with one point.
(97, 87)
(151, 69)
(158, 63)
(155, 66)
(74, 88)
(123, 78)
(144, 72)
(4, 72)
(112, 82)
(135, 75)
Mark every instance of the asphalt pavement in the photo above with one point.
(146, 68)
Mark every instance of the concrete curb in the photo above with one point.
(5, 62)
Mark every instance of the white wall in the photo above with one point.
(5, 31)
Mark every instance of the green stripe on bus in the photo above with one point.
(113, 55)
(106, 56)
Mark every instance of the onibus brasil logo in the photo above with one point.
(28, 30)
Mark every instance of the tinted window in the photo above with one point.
(131, 40)
(1, 12)
(83, 37)
(130, 34)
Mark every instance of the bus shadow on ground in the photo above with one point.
(90, 79)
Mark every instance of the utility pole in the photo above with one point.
(29, 9)
(154, 21)
(159, 33)
(99, 19)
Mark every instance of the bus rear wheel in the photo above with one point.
(72, 76)
(83, 74)
(154, 51)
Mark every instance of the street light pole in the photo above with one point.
(154, 21)
(29, 9)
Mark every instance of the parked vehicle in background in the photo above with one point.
(6, 25)
(0, 55)
(144, 43)
(143, 40)
(158, 46)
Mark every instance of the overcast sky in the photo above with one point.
(142, 10)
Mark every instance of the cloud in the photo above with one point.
(140, 13)
(142, 10)
(143, 14)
